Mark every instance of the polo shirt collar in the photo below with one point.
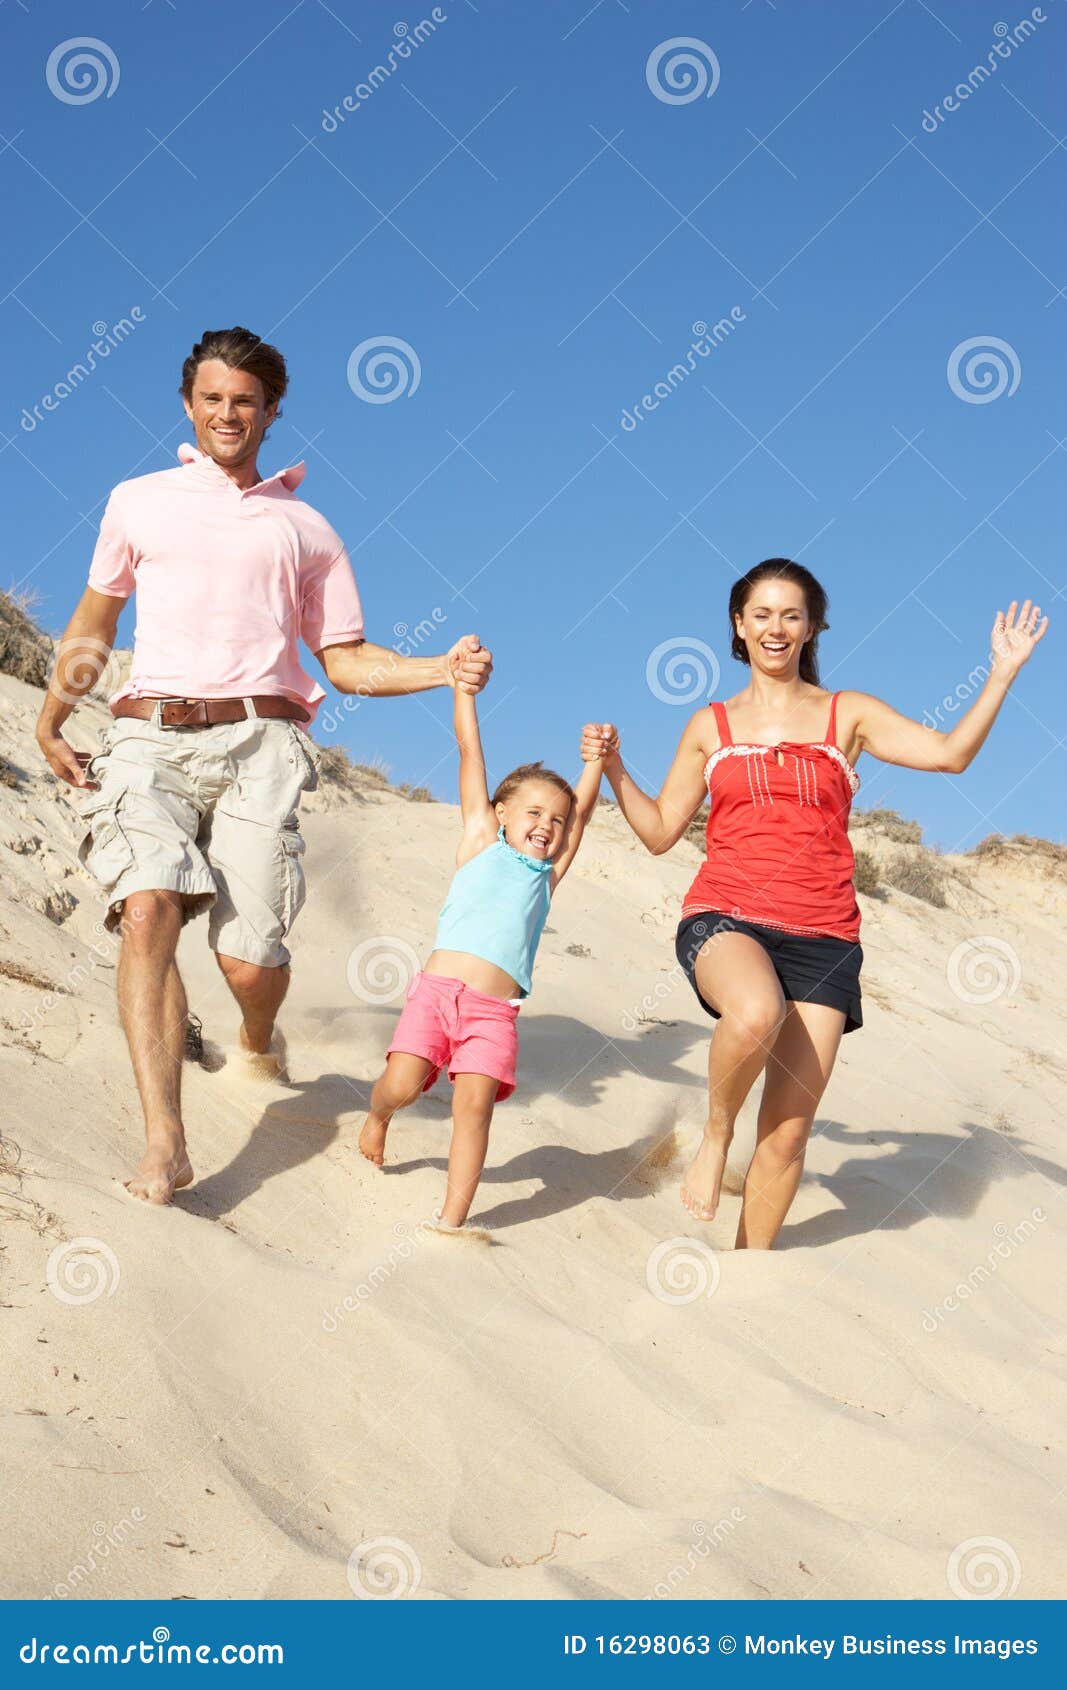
(289, 478)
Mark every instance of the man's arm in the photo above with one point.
(374, 671)
(81, 657)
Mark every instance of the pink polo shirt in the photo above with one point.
(228, 582)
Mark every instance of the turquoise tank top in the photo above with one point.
(496, 909)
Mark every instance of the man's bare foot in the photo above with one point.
(372, 1139)
(164, 1169)
(270, 1064)
(703, 1182)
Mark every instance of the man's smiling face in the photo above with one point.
(229, 413)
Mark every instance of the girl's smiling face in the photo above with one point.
(534, 819)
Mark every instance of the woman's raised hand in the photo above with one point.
(1014, 638)
(599, 739)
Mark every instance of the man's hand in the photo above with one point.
(64, 761)
(599, 739)
(468, 665)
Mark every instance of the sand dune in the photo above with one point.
(230, 1397)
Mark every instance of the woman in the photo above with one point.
(769, 935)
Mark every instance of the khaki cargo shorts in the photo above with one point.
(207, 812)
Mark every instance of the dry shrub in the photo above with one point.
(1022, 845)
(25, 652)
(920, 876)
(697, 828)
(867, 877)
(337, 767)
(890, 823)
(991, 846)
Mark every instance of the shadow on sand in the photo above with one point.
(943, 1174)
(576, 1061)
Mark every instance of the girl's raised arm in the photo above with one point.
(479, 817)
(894, 738)
(586, 794)
(660, 822)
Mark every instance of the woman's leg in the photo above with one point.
(472, 1111)
(799, 1068)
(735, 975)
(400, 1085)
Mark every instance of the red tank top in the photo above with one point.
(778, 851)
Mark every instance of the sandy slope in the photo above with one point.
(524, 1416)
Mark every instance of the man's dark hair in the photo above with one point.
(240, 349)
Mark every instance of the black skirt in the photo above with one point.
(811, 968)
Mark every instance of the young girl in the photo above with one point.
(462, 1008)
(769, 934)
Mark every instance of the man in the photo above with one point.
(197, 786)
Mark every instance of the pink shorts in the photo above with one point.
(448, 1023)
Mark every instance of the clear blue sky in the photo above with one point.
(515, 203)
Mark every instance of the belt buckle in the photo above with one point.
(196, 705)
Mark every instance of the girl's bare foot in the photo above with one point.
(372, 1139)
(164, 1169)
(703, 1182)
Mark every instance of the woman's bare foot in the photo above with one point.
(703, 1182)
(164, 1169)
(372, 1139)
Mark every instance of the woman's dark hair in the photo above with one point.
(240, 349)
(815, 599)
(529, 771)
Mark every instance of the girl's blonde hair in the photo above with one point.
(529, 771)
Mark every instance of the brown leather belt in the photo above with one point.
(208, 712)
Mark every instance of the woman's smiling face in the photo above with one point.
(775, 626)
